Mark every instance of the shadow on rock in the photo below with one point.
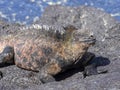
(67, 73)
(98, 61)
(2, 65)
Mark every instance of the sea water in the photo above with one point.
(28, 11)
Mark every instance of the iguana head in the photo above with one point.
(74, 43)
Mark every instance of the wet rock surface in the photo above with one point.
(107, 50)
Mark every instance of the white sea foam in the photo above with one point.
(115, 14)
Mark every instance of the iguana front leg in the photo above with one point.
(6, 57)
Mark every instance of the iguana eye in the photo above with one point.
(91, 36)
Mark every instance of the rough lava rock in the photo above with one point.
(107, 51)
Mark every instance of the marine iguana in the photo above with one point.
(48, 52)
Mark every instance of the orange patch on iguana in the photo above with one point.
(53, 69)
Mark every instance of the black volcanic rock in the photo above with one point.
(107, 50)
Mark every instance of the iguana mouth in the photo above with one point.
(91, 40)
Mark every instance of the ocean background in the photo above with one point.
(28, 11)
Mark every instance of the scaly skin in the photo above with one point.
(48, 51)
